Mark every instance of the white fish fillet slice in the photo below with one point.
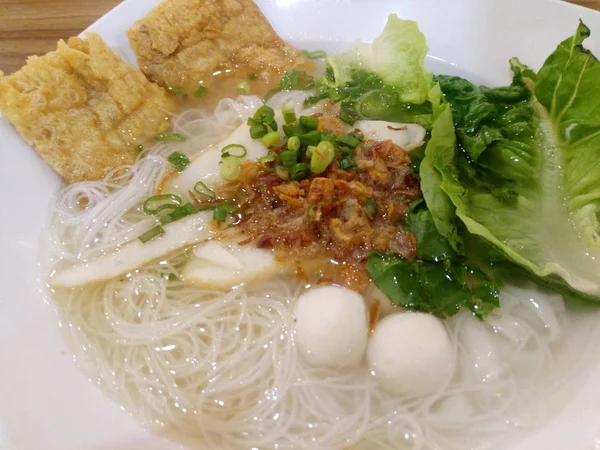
(184, 232)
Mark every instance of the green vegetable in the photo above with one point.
(526, 177)
(203, 190)
(372, 208)
(288, 158)
(289, 115)
(201, 91)
(309, 123)
(179, 91)
(230, 168)
(179, 161)
(396, 56)
(222, 211)
(298, 171)
(311, 138)
(151, 234)
(271, 138)
(282, 172)
(296, 80)
(230, 150)
(243, 87)
(321, 157)
(179, 213)
(317, 54)
(351, 140)
(432, 287)
(266, 160)
(158, 203)
(139, 148)
(164, 136)
(252, 76)
(293, 143)
(262, 122)
(347, 163)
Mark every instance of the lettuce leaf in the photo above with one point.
(525, 175)
(397, 55)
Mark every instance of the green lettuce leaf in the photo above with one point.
(526, 173)
(397, 56)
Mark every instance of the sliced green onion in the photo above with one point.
(265, 160)
(271, 138)
(152, 233)
(346, 163)
(252, 76)
(317, 54)
(293, 143)
(264, 116)
(296, 79)
(202, 189)
(289, 115)
(321, 157)
(349, 140)
(139, 148)
(372, 208)
(288, 158)
(201, 91)
(170, 137)
(311, 138)
(293, 129)
(179, 91)
(226, 151)
(179, 161)
(309, 122)
(230, 168)
(299, 171)
(310, 149)
(258, 131)
(183, 211)
(313, 211)
(222, 211)
(282, 172)
(158, 203)
(243, 87)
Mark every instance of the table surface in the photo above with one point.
(32, 27)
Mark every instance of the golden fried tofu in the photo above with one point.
(83, 109)
(182, 43)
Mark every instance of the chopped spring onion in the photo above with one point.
(321, 157)
(151, 234)
(158, 203)
(309, 122)
(288, 158)
(222, 211)
(170, 137)
(371, 207)
(351, 140)
(262, 122)
(317, 54)
(230, 168)
(202, 189)
(282, 172)
(293, 129)
(311, 138)
(252, 76)
(346, 163)
(271, 138)
(179, 161)
(183, 211)
(258, 131)
(201, 91)
(299, 171)
(296, 79)
(226, 151)
(139, 148)
(313, 211)
(293, 143)
(266, 160)
(310, 149)
(243, 87)
(289, 114)
(179, 91)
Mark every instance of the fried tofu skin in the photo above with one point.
(83, 109)
(182, 43)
